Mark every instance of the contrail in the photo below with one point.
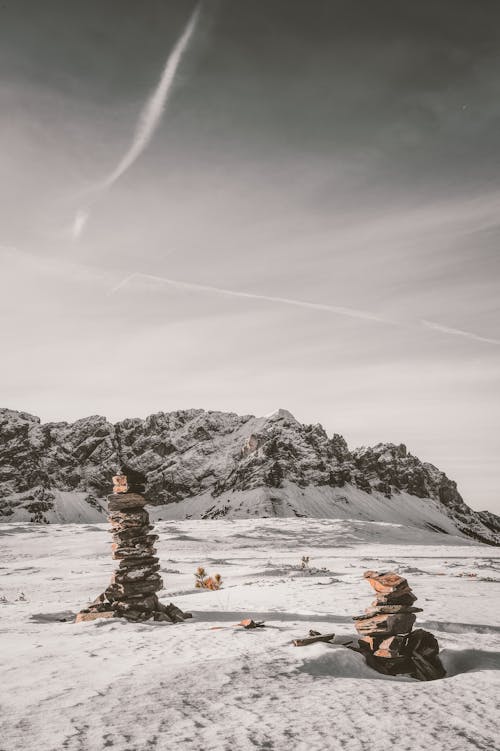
(148, 120)
(337, 309)
(79, 223)
(458, 332)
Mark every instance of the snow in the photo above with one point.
(208, 684)
(70, 507)
(281, 414)
(321, 502)
(290, 500)
(349, 503)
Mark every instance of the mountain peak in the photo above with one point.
(281, 414)
(206, 464)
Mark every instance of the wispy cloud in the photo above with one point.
(149, 120)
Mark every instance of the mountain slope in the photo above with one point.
(211, 464)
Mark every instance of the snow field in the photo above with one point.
(208, 684)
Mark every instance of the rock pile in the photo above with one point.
(132, 592)
(386, 637)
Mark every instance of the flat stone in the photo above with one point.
(129, 564)
(402, 596)
(139, 603)
(160, 616)
(394, 646)
(131, 535)
(142, 588)
(123, 501)
(389, 666)
(369, 643)
(123, 576)
(379, 609)
(385, 623)
(93, 616)
(385, 583)
(132, 518)
(145, 551)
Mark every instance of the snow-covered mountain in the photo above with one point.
(212, 464)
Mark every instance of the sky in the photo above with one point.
(323, 181)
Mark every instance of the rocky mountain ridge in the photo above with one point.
(211, 464)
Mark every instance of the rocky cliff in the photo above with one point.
(212, 464)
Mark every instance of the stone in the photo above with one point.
(133, 535)
(370, 643)
(389, 666)
(378, 609)
(391, 647)
(125, 501)
(402, 596)
(131, 593)
(93, 615)
(146, 573)
(136, 551)
(423, 649)
(129, 564)
(120, 484)
(387, 641)
(385, 623)
(385, 583)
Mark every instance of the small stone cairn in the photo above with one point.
(132, 592)
(386, 637)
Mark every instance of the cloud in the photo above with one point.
(149, 120)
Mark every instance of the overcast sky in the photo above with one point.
(339, 153)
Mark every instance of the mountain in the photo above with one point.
(202, 464)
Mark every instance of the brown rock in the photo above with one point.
(121, 501)
(386, 623)
(391, 647)
(369, 643)
(385, 583)
(402, 596)
(92, 615)
(120, 484)
(378, 609)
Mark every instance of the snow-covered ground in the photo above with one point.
(208, 684)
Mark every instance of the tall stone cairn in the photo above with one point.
(386, 637)
(132, 592)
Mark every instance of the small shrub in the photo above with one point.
(203, 581)
(304, 563)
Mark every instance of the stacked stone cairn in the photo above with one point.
(386, 637)
(132, 592)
